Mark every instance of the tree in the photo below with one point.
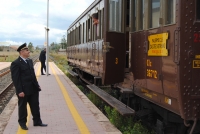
(63, 42)
(54, 46)
(37, 48)
(30, 47)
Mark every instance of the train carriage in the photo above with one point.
(150, 47)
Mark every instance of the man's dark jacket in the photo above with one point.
(42, 57)
(23, 76)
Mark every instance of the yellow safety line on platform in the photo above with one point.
(21, 131)
(80, 123)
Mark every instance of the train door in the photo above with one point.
(114, 42)
(156, 44)
(146, 36)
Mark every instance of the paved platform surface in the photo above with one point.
(63, 107)
(4, 65)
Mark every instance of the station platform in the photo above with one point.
(4, 65)
(63, 107)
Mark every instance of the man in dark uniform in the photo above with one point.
(27, 87)
(42, 59)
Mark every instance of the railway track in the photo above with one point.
(7, 89)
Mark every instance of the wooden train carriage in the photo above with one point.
(85, 42)
(153, 42)
(165, 55)
(99, 50)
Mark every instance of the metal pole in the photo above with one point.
(9, 54)
(47, 49)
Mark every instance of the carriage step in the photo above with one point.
(143, 113)
(72, 73)
(125, 90)
(113, 102)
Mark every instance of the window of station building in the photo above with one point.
(115, 15)
(155, 13)
(198, 10)
(170, 17)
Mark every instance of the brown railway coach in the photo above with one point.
(150, 48)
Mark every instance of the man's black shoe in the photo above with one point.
(42, 74)
(24, 127)
(41, 125)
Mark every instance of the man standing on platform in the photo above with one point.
(42, 59)
(27, 87)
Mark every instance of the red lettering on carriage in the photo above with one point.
(196, 37)
(157, 51)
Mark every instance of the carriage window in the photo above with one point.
(115, 15)
(155, 13)
(76, 36)
(88, 30)
(102, 23)
(98, 29)
(79, 34)
(83, 39)
(72, 37)
(170, 11)
(198, 10)
(68, 39)
(133, 15)
(140, 14)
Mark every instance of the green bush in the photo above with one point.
(125, 123)
(94, 99)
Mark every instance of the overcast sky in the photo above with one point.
(25, 20)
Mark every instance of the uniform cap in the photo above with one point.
(22, 47)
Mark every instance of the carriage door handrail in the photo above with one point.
(93, 48)
(176, 46)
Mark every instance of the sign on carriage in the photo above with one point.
(157, 45)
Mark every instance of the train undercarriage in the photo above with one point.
(153, 116)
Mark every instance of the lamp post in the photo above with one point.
(47, 49)
(9, 54)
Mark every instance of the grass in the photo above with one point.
(60, 60)
(11, 56)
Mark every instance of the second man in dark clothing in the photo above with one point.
(42, 59)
